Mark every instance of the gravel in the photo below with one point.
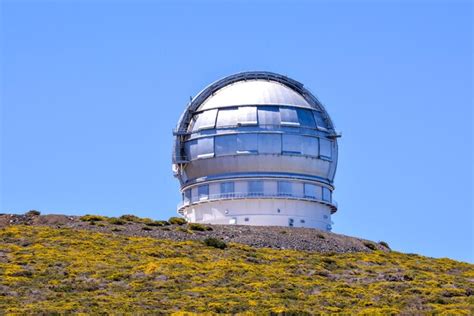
(276, 237)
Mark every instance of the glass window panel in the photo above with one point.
(226, 145)
(326, 194)
(325, 148)
(205, 120)
(310, 146)
(255, 188)
(205, 147)
(247, 115)
(268, 116)
(247, 143)
(269, 143)
(310, 190)
(190, 148)
(306, 118)
(289, 116)
(291, 144)
(203, 192)
(227, 189)
(227, 117)
(187, 196)
(320, 122)
(284, 188)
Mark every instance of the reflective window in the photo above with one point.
(203, 192)
(306, 118)
(226, 145)
(268, 116)
(227, 189)
(247, 143)
(247, 115)
(310, 190)
(269, 143)
(289, 116)
(325, 148)
(205, 147)
(191, 149)
(187, 196)
(204, 120)
(227, 117)
(284, 188)
(255, 188)
(320, 122)
(326, 194)
(309, 146)
(291, 144)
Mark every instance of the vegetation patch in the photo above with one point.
(33, 213)
(199, 227)
(214, 242)
(92, 218)
(177, 221)
(157, 223)
(116, 221)
(56, 271)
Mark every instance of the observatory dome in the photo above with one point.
(256, 148)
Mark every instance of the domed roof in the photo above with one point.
(254, 92)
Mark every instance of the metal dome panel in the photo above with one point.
(254, 92)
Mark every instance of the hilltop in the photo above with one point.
(60, 264)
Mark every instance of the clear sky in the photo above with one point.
(91, 91)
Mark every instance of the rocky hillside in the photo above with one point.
(60, 264)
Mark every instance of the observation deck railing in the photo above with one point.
(257, 195)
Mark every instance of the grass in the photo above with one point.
(46, 270)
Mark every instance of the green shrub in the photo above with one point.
(116, 221)
(214, 242)
(157, 223)
(370, 245)
(33, 213)
(199, 227)
(384, 244)
(92, 218)
(131, 218)
(177, 221)
(182, 229)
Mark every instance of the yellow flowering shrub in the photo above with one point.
(57, 270)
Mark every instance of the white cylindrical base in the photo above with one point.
(261, 212)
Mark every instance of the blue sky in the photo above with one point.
(91, 91)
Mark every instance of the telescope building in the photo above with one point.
(256, 148)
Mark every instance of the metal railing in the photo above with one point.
(256, 195)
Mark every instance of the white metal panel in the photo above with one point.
(247, 115)
(268, 116)
(205, 120)
(252, 92)
(227, 117)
